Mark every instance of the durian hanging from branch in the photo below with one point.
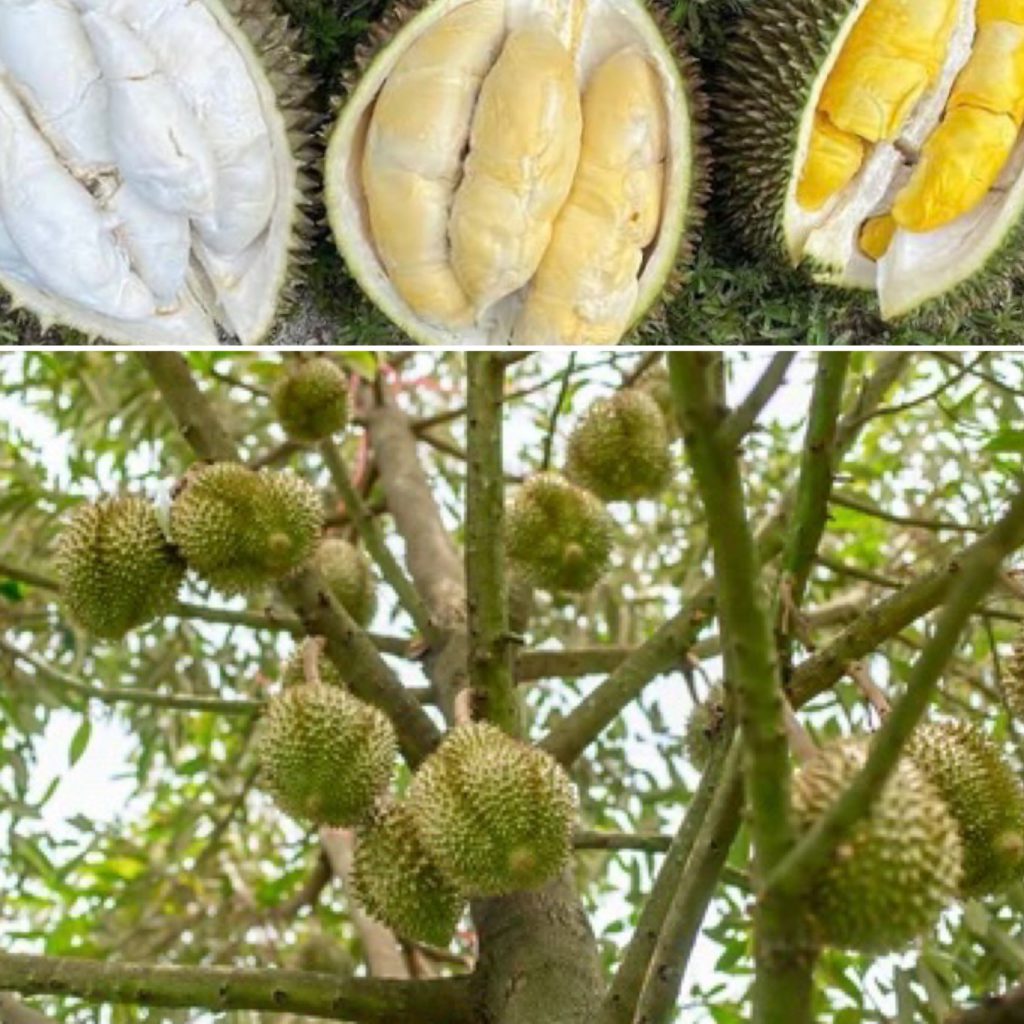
(517, 171)
(151, 152)
(878, 144)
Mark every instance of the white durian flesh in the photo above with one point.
(470, 149)
(151, 189)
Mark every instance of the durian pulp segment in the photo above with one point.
(149, 116)
(592, 31)
(950, 184)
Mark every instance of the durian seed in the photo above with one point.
(558, 535)
(985, 797)
(311, 399)
(349, 575)
(325, 755)
(900, 867)
(116, 568)
(495, 814)
(398, 884)
(240, 529)
(620, 449)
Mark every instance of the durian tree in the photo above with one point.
(459, 740)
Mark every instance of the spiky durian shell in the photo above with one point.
(293, 672)
(896, 871)
(311, 399)
(240, 529)
(655, 382)
(1012, 680)
(326, 756)
(985, 797)
(558, 535)
(349, 575)
(620, 449)
(495, 814)
(705, 728)
(398, 883)
(117, 569)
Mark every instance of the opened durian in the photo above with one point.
(557, 535)
(150, 184)
(495, 814)
(325, 755)
(985, 797)
(117, 569)
(510, 171)
(898, 869)
(878, 142)
(397, 882)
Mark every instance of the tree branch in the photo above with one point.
(741, 420)
(1004, 1009)
(490, 653)
(225, 988)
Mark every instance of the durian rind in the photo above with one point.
(311, 399)
(619, 450)
(558, 535)
(902, 864)
(349, 575)
(240, 528)
(397, 883)
(325, 756)
(705, 728)
(496, 814)
(116, 568)
(985, 797)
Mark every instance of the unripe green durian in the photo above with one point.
(495, 814)
(323, 954)
(558, 535)
(705, 728)
(348, 573)
(1013, 680)
(985, 797)
(620, 448)
(902, 864)
(240, 529)
(116, 568)
(311, 399)
(397, 882)
(656, 383)
(293, 672)
(326, 756)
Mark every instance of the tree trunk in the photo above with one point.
(538, 958)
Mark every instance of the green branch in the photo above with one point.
(741, 420)
(373, 539)
(977, 574)
(227, 988)
(490, 653)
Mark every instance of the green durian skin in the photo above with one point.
(326, 756)
(705, 727)
(985, 797)
(116, 568)
(620, 448)
(311, 399)
(558, 535)
(898, 869)
(496, 815)
(655, 382)
(293, 672)
(349, 575)
(241, 529)
(398, 884)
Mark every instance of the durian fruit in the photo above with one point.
(620, 448)
(705, 728)
(349, 575)
(877, 143)
(495, 814)
(116, 568)
(152, 190)
(324, 954)
(985, 797)
(240, 529)
(902, 864)
(506, 172)
(311, 399)
(293, 671)
(1012, 680)
(557, 535)
(325, 755)
(397, 883)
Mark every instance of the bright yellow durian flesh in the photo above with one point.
(516, 171)
(897, 53)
